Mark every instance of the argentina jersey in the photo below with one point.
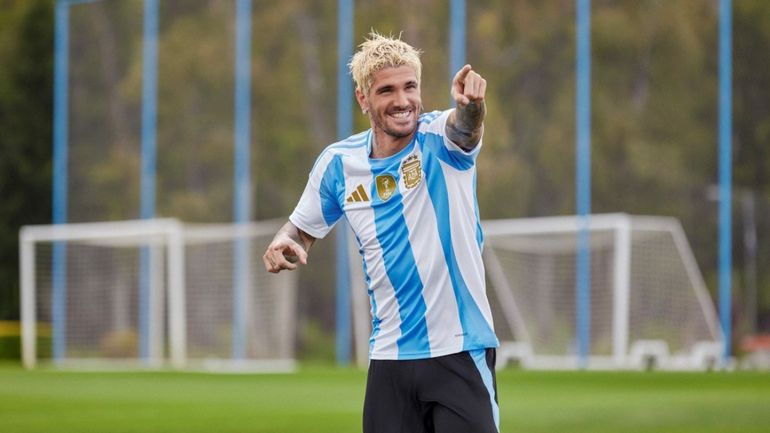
(416, 221)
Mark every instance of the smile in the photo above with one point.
(401, 114)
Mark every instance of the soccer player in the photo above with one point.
(407, 187)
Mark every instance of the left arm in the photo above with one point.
(465, 124)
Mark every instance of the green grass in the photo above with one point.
(319, 399)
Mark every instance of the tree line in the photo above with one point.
(654, 114)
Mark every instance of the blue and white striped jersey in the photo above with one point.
(416, 220)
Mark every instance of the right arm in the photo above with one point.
(289, 246)
(466, 122)
(316, 213)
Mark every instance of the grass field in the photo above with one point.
(325, 399)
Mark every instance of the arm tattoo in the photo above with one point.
(465, 125)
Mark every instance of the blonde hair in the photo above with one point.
(379, 52)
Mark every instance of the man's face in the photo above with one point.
(393, 102)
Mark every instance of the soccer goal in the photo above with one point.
(155, 294)
(649, 306)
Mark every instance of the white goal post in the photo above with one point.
(649, 305)
(153, 294)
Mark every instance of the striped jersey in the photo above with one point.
(416, 221)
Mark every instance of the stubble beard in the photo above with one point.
(381, 123)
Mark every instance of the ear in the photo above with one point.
(362, 102)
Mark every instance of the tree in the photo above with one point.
(26, 32)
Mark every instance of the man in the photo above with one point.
(407, 188)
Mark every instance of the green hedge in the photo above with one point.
(10, 341)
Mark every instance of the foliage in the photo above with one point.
(752, 134)
(654, 114)
(26, 44)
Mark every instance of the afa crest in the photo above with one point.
(386, 186)
(411, 169)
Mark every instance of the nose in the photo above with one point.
(401, 99)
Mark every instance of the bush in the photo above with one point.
(10, 341)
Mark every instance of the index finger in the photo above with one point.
(462, 73)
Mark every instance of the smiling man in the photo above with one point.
(407, 186)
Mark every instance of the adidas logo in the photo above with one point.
(358, 195)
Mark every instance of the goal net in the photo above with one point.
(154, 294)
(649, 306)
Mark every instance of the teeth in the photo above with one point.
(401, 114)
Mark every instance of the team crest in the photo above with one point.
(411, 169)
(386, 186)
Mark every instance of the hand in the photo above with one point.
(283, 253)
(468, 86)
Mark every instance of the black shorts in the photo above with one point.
(453, 393)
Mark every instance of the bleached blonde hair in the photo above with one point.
(379, 52)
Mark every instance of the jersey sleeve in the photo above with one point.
(319, 206)
(450, 153)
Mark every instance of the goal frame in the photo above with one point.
(167, 241)
(167, 228)
(625, 354)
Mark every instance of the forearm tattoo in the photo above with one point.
(466, 124)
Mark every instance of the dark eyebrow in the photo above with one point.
(388, 87)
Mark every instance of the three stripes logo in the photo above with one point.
(358, 195)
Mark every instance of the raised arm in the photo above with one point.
(466, 123)
(289, 246)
